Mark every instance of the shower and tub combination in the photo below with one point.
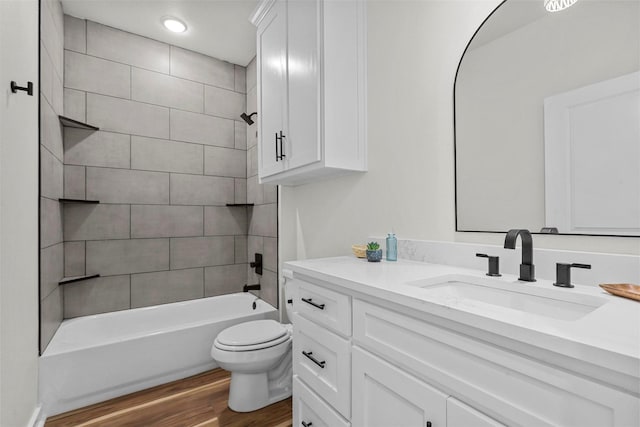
(147, 200)
(98, 357)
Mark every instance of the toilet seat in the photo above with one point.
(254, 335)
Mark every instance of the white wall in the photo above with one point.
(18, 214)
(413, 50)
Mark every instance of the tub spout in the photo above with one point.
(247, 288)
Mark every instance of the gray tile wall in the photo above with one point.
(170, 153)
(51, 169)
(262, 219)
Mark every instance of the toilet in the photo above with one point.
(258, 355)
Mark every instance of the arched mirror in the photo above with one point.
(547, 120)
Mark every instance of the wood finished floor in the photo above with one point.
(198, 401)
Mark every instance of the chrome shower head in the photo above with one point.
(247, 118)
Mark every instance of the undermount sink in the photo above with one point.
(478, 291)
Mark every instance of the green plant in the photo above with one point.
(373, 246)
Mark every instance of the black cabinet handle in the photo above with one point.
(15, 88)
(309, 424)
(310, 301)
(282, 156)
(279, 138)
(309, 356)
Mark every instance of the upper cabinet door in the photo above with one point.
(311, 87)
(272, 81)
(304, 70)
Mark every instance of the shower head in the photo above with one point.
(247, 118)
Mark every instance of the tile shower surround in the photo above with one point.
(170, 153)
(263, 219)
(51, 168)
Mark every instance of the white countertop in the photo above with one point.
(609, 336)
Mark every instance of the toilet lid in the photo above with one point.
(252, 333)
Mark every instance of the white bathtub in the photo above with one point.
(94, 358)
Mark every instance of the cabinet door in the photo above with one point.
(272, 87)
(384, 396)
(303, 140)
(461, 415)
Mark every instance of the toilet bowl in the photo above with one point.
(258, 355)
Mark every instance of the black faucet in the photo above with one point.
(563, 273)
(247, 288)
(494, 265)
(527, 269)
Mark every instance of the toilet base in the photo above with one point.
(252, 391)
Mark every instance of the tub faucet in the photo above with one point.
(247, 288)
(527, 269)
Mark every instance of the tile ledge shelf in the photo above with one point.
(240, 204)
(66, 121)
(73, 279)
(89, 202)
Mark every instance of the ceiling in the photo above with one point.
(217, 28)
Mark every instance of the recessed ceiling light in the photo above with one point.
(174, 24)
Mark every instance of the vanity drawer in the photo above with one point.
(309, 409)
(515, 390)
(323, 306)
(322, 360)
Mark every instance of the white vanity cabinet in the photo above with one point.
(321, 355)
(311, 89)
(390, 365)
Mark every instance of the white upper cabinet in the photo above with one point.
(272, 74)
(311, 89)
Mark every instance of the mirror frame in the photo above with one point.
(455, 148)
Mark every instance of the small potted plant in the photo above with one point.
(374, 253)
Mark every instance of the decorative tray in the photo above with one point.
(625, 290)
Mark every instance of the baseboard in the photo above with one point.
(37, 418)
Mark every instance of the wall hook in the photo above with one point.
(15, 88)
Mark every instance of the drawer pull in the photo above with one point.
(309, 424)
(310, 301)
(309, 356)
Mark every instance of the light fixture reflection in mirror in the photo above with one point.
(558, 5)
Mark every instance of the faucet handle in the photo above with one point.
(563, 273)
(494, 264)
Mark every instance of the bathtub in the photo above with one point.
(94, 358)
